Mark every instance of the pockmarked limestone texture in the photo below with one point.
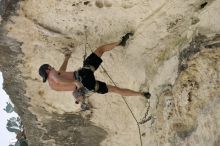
(174, 54)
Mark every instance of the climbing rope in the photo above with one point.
(139, 130)
(85, 53)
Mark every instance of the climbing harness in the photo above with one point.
(82, 92)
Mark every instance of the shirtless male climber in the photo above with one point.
(62, 80)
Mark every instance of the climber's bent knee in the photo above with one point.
(101, 87)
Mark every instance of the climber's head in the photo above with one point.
(43, 71)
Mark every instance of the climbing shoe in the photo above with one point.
(146, 95)
(124, 39)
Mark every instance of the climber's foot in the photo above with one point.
(124, 39)
(146, 95)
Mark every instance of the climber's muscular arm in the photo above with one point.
(65, 62)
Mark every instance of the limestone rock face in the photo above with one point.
(174, 54)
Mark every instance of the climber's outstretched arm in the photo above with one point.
(65, 62)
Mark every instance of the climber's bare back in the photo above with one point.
(61, 81)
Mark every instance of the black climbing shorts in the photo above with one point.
(87, 75)
(88, 80)
(92, 60)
